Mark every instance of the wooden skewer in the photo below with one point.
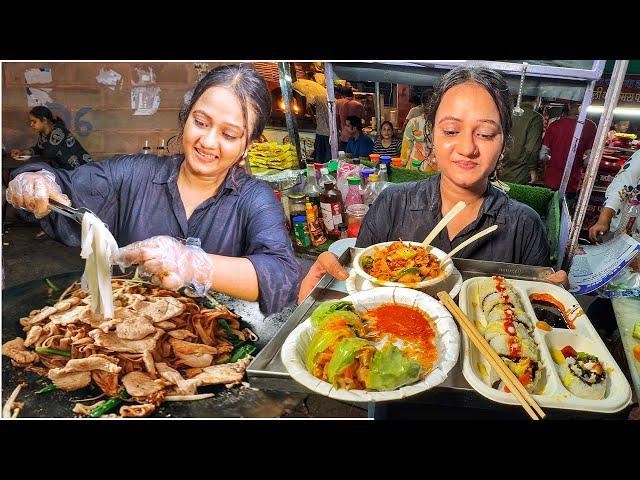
(478, 235)
(496, 362)
(457, 208)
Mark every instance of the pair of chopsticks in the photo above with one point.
(507, 376)
(457, 208)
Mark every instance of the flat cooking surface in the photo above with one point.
(18, 301)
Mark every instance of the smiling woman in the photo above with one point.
(236, 240)
(470, 111)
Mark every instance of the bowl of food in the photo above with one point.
(377, 345)
(403, 264)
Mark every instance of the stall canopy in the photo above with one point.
(545, 78)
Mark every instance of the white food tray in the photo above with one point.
(551, 392)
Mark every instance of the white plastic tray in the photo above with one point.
(551, 391)
(295, 346)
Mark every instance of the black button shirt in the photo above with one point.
(409, 211)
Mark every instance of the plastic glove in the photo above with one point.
(31, 191)
(170, 263)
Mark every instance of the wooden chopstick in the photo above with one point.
(457, 208)
(492, 357)
(477, 236)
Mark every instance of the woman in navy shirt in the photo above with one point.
(202, 195)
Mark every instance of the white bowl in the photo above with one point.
(447, 342)
(447, 267)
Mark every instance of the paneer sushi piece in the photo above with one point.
(582, 374)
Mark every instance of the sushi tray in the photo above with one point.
(543, 335)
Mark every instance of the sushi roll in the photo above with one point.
(527, 371)
(583, 374)
(515, 346)
(508, 312)
(500, 327)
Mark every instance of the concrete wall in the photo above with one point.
(114, 127)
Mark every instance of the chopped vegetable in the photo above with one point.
(227, 329)
(568, 351)
(241, 352)
(54, 288)
(636, 330)
(48, 388)
(109, 404)
(53, 351)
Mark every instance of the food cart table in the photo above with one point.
(454, 398)
(627, 311)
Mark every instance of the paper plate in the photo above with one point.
(453, 283)
(295, 346)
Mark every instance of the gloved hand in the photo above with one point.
(31, 191)
(170, 263)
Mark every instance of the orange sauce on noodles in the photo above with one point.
(411, 325)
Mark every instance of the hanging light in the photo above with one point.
(517, 110)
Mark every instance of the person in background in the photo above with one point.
(321, 147)
(621, 126)
(359, 144)
(416, 144)
(387, 144)
(418, 109)
(55, 141)
(346, 108)
(236, 241)
(520, 161)
(555, 150)
(626, 180)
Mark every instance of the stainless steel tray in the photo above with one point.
(267, 371)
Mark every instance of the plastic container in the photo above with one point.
(396, 162)
(297, 205)
(354, 197)
(415, 164)
(301, 231)
(385, 159)
(355, 217)
(551, 391)
(374, 157)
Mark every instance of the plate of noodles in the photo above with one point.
(403, 264)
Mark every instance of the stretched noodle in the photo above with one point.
(97, 247)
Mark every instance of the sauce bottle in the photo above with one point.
(331, 206)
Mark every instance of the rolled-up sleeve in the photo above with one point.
(269, 249)
(90, 186)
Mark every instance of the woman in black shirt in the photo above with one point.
(387, 144)
(55, 142)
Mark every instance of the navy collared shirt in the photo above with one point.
(137, 197)
(409, 211)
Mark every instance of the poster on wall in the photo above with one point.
(37, 75)
(38, 96)
(109, 78)
(145, 100)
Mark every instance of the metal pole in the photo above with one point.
(331, 100)
(610, 102)
(377, 107)
(586, 101)
(287, 97)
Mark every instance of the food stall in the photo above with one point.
(277, 391)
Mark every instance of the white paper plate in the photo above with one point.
(355, 283)
(295, 346)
